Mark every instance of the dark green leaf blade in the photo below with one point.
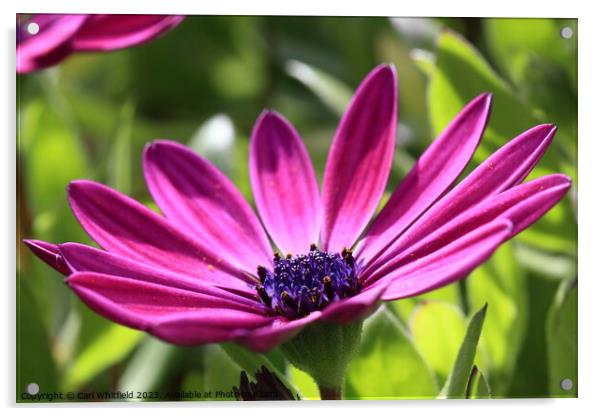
(561, 334)
(457, 382)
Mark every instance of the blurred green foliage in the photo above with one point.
(204, 84)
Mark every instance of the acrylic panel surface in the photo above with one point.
(294, 208)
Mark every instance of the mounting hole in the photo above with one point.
(33, 28)
(33, 388)
(566, 32)
(566, 384)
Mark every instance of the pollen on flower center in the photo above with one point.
(305, 283)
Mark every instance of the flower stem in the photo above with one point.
(323, 350)
(330, 393)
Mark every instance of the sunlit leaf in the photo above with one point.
(425, 60)
(67, 336)
(120, 161)
(388, 366)
(404, 307)
(501, 284)
(306, 385)
(335, 94)
(457, 382)
(108, 348)
(438, 330)
(139, 375)
(214, 140)
(553, 265)
(533, 53)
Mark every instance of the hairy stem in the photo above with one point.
(330, 393)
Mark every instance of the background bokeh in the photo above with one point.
(204, 84)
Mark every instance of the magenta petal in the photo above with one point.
(355, 307)
(104, 32)
(502, 170)
(447, 265)
(360, 159)
(202, 201)
(124, 226)
(434, 172)
(150, 300)
(284, 184)
(82, 258)
(49, 253)
(278, 331)
(522, 205)
(550, 189)
(50, 45)
(143, 305)
(206, 326)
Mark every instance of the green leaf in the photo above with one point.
(240, 168)
(512, 41)
(50, 144)
(194, 381)
(540, 62)
(417, 32)
(215, 140)
(438, 330)
(552, 265)
(335, 94)
(411, 91)
(478, 387)
(50, 156)
(561, 334)
(424, 60)
(460, 74)
(35, 363)
(110, 347)
(404, 308)
(530, 377)
(148, 366)
(306, 385)
(221, 373)
(251, 362)
(500, 282)
(457, 382)
(120, 160)
(388, 365)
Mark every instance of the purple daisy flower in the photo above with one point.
(205, 271)
(55, 36)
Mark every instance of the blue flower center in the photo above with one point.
(299, 285)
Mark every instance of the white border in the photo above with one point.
(590, 186)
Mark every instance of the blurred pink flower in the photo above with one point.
(204, 271)
(59, 35)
